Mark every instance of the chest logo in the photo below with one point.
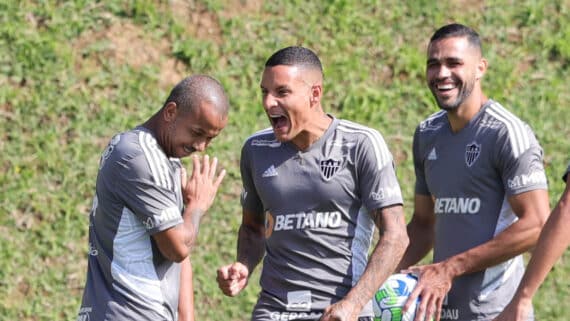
(472, 152)
(329, 167)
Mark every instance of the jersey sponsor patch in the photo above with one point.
(301, 221)
(457, 205)
(472, 152)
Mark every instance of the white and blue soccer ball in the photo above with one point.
(391, 297)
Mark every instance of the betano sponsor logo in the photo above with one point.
(301, 221)
(457, 205)
(528, 179)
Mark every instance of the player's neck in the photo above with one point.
(313, 132)
(462, 115)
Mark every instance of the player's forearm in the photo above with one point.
(553, 241)
(516, 239)
(251, 246)
(384, 259)
(421, 242)
(192, 218)
(186, 295)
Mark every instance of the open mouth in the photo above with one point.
(278, 121)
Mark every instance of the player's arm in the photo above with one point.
(421, 231)
(553, 240)
(532, 209)
(233, 278)
(198, 192)
(391, 245)
(186, 297)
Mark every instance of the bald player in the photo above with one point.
(314, 188)
(146, 212)
(481, 194)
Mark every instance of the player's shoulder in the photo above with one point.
(498, 117)
(433, 123)
(356, 131)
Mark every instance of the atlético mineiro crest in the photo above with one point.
(472, 152)
(329, 167)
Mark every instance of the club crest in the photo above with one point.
(472, 152)
(329, 167)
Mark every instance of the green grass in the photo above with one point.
(73, 73)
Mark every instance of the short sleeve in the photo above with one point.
(150, 195)
(421, 186)
(249, 197)
(521, 162)
(377, 175)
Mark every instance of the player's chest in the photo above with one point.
(453, 162)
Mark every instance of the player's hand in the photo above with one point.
(342, 310)
(515, 311)
(232, 278)
(434, 282)
(200, 189)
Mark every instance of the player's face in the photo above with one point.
(286, 100)
(194, 130)
(452, 71)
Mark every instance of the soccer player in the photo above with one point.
(481, 193)
(314, 188)
(146, 212)
(554, 239)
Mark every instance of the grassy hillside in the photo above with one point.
(73, 73)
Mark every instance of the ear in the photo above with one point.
(169, 112)
(481, 68)
(316, 93)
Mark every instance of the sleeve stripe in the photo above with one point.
(156, 160)
(381, 151)
(518, 135)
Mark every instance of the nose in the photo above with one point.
(269, 101)
(443, 72)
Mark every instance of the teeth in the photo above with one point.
(445, 87)
(274, 116)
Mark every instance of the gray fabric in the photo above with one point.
(137, 194)
(318, 234)
(470, 174)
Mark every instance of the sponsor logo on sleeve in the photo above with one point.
(536, 177)
(84, 313)
(385, 193)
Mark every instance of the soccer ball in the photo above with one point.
(390, 298)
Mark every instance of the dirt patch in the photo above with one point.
(234, 8)
(198, 21)
(125, 43)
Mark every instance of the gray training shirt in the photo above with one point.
(137, 194)
(470, 174)
(317, 234)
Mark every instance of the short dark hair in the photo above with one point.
(194, 89)
(458, 30)
(295, 56)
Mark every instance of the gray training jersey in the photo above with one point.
(470, 174)
(317, 234)
(137, 194)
